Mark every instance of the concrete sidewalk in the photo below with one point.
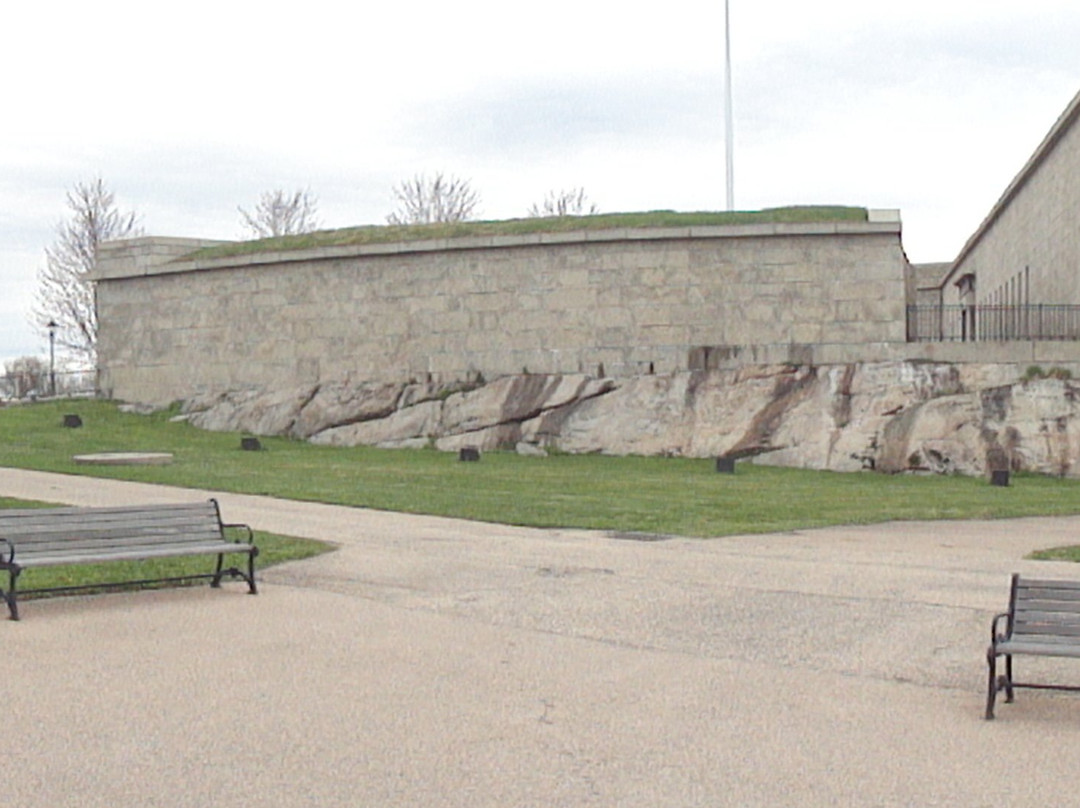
(438, 662)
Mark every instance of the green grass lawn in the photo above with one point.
(1070, 553)
(639, 494)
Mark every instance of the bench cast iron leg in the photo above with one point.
(10, 597)
(251, 571)
(216, 582)
(992, 684)
(1008, 679)
(236, 573)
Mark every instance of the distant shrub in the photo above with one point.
(1033, 372)
(1036, 372)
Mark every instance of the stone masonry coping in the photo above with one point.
(117, 269)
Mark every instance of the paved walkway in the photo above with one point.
(435, 662)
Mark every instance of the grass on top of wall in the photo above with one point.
(382, 234)
(655, 495)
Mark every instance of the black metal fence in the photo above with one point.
(36, 382)
(938, 323)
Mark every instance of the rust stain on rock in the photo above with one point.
(841, 405)
(791, 389)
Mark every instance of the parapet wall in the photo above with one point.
(617, 302)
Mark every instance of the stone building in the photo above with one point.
(174, 323)
(804, 343)
(1018, 276)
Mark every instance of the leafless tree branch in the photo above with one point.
(65, 294)
(573, 202)
(279, 213)
(426, 200)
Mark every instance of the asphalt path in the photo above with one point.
(439, 662)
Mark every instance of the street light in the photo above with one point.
(729, 124)
(52, 326)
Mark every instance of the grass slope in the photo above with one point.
(643, 494)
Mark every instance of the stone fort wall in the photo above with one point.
(1027, 250)
(618, 302)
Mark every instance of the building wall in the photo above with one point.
(616, 302)
(1028, 248)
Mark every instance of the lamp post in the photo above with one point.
(52, 326)
(729, 124)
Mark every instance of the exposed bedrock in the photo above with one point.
(892, 416)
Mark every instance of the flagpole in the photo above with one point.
(729, 126)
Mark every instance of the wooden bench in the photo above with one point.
(43, 537)
(1043, 620)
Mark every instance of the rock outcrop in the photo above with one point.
(892, 417)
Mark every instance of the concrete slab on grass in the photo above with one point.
(124, 459)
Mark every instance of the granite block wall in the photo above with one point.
(613, 302)
(1028, 248)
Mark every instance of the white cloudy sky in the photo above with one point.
(190, 109)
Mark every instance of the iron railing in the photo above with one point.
(956, 323)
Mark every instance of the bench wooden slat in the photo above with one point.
(29, 528)
(31, 534)
(1063, 596)
(1064, 607)
(104, 510)
(1045, 611)
(25, 554)
(26, 549)
(90, 557)
(1041, 630)
(1045, 639)
(129, 546)
(1039, 648)
(1040, 621)
(101, 514)
(1044, 583)
(76, 529)
(31, 516)
(1045, 625)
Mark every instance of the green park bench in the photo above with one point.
(1043, 620)
(44, 537)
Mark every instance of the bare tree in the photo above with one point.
(25, 375)
(279, 213)
(65, 294)
(573, 202)
(441, 198)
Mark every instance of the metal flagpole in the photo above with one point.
(729, 127)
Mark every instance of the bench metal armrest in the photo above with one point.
(995, 634)
(238, 526)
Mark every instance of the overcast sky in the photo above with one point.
(189, 110)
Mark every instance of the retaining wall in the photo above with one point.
(616, 302)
